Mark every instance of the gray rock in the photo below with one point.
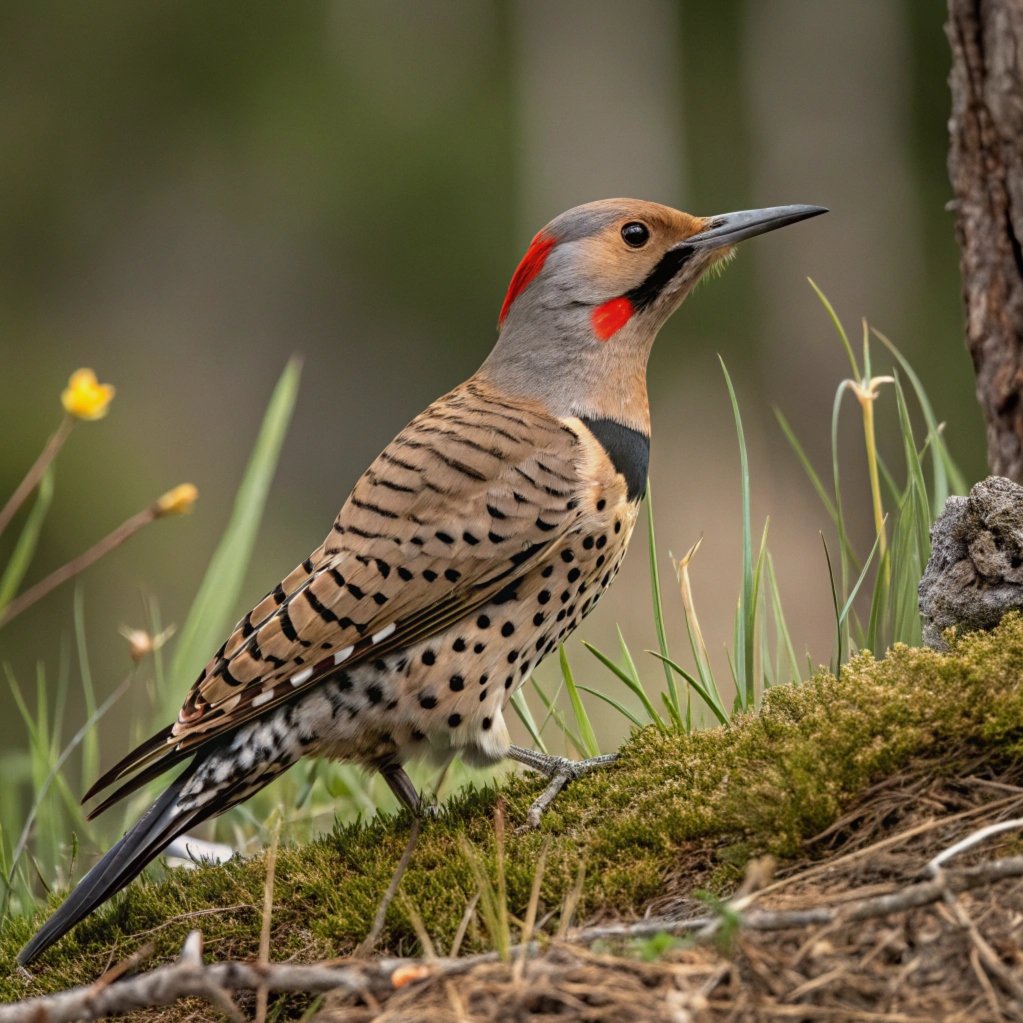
(975, 572)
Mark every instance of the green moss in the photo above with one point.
(689, 807)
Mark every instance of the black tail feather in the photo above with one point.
(154, 830)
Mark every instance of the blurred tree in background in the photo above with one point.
(190, 193)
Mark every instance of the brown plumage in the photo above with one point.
(471, 547)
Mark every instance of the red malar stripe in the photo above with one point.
(532, 263)
(609, 318)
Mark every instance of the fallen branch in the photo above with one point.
(914, 896)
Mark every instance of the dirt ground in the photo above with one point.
(958, 960)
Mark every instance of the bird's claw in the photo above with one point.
(559, 771)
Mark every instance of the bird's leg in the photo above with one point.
(401, 785)
(560, 771)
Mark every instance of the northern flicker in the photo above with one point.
(471, 547)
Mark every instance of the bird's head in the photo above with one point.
(593, 289)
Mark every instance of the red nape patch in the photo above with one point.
(609, 318)
(532, 263)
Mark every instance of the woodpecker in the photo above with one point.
(471, 547)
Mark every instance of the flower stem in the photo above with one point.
(875, 487)
(35, 474)
(79, 564)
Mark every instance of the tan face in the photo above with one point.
(621, 255)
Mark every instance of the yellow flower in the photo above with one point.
(178, 501)
(85, 397)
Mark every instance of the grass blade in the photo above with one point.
(655, 587)
(834, 601)
(709, 697)
(25, 548)
(518, 702)
(611, 701)
(747, 600)
(582, 719)
(213, 610)
(830, 309)
(631, 683)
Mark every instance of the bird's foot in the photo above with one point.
(559, 770)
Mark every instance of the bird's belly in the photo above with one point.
(448, 693)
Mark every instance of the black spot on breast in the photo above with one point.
(459, 645)
(457, 683)
(404, 573)
(507, 629)
(487, 724)
(427, 701)
(429, 657)
(454, 720)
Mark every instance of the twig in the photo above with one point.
(935, 864)
(189, 977)
(924, 893)
(264, 931)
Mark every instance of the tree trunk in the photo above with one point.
(986, 168)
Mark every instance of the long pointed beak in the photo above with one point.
(729, 228)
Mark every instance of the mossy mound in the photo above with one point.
(681, 810)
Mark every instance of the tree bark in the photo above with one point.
(986, 169)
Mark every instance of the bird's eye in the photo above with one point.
(635, 234)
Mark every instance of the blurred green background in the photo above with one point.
(190, 192)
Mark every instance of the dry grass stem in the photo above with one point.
(368, 943)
